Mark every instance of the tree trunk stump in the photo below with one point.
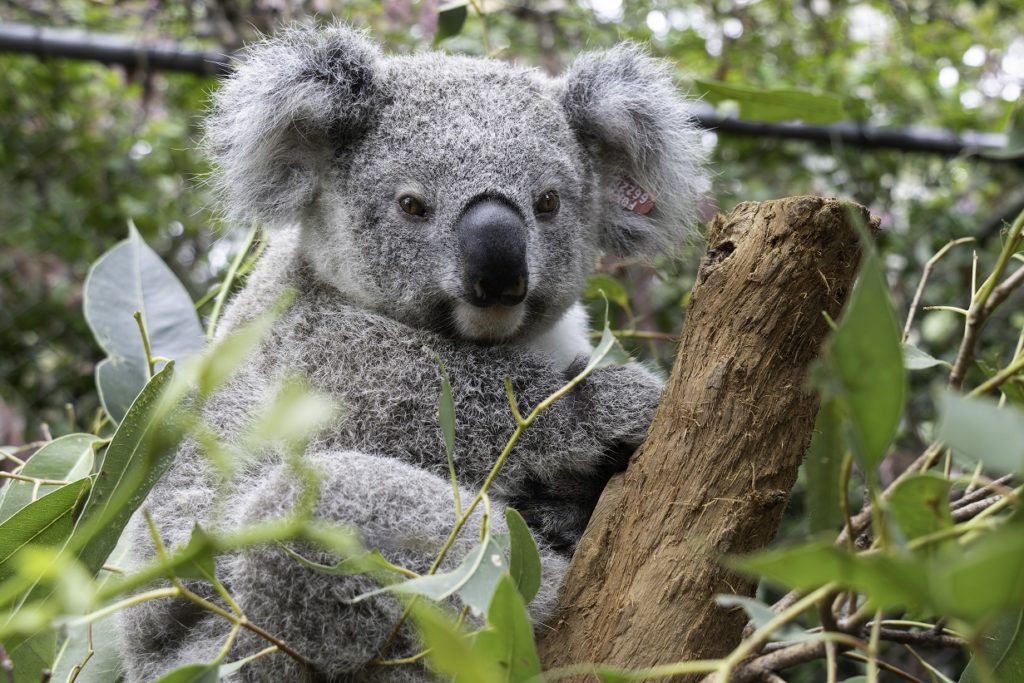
(721, 457)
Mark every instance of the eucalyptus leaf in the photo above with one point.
(46, 521)
(192, 673)
(450, 652)
(983, 580)
(131, 277)
(983, 432)
(67, 458)
(867, 365)
(916, 359)
(1004, 650)
(451, 17)
(920, 505)
(508, 638)
(822, 467)
(888, 581)
(474, 579)
(524, 558)
(603, 285)
(367, 562)
(202, 566)
(137, 456)
(760, 614)
(777, 104)
(32, 656)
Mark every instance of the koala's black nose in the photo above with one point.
(492, 237)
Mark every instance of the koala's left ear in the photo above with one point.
(644, 145)
(277, 123)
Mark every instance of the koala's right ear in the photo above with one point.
(278, 121)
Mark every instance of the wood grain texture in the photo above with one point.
(719, 462)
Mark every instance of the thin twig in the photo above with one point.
(966, 512)
(925, 274)
(882, 664)
(980, 310)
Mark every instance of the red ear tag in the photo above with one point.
(632, 197)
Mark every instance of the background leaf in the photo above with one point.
(978, 429)
(451, 17)
(775, 104)
(128, 278)
(67, 458)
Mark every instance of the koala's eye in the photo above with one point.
(412, 205)
(548, 202)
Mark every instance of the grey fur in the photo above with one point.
(319, 129)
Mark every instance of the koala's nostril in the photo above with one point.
(492, 238)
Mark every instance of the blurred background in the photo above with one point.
(910, 107)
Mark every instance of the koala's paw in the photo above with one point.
(619, 401)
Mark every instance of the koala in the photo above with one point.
(419, 207)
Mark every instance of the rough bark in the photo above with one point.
(717, 467)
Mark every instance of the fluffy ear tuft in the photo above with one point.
(279, 120)
(641, 137)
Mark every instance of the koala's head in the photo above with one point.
(467, 196)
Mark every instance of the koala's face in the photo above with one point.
(462, 195)
(467, 207)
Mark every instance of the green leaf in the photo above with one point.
(982, 580)
(602, 285)
(192, 673)
(220, 361)
(916, 359)
(451, 17)
(128, 278)
(761, 614)
(32, 656)
(785, 104)
(920, 505)
(823, 466)
(65, 459)
(368, 562)
(202, 566)
(1012, 389)
(446, 418)
(524, 560)
(978, 429)
(888, 581)
(867, 365)
(47, 521)
(105, 664)
(450, 651)
(295, 414)
(1004, 650)
(508, 639)
(138, 455)
(474, 579)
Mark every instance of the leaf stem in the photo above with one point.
(150, 361)
(229, 280)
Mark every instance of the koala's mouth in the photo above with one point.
(493, 323)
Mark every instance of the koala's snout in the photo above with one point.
(492, 238)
